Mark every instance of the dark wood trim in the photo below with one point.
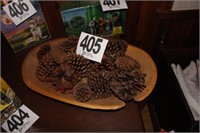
(168, 14)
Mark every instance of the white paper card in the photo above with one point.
(108, 5)
(20, 121)
(91, 47)
(19, 10)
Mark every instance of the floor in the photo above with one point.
(144, 109)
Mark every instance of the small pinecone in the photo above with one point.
(82, 92)
(45, 73)
(58, 55)
(117, 47)
(44, 49)
(81, 66)
(70, 44)
(126, 63)
(99, 85)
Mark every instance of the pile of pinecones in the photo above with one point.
(70, 73)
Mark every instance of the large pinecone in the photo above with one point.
(81, 66)
(108, 75)
(126, 63)
(70, 44)
(62, 85)
(99, 85)
(128, 84)
(58, 54)
(82, 92)
(117, 47)
(102, 91)
(44, 49)
(45, 73)
(68, 74)
(65, 78)
(106, 63)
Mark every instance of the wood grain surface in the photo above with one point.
(111, 103)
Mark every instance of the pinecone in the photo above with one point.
(70, 44)
(108, 75)
(117, 47)
(63, 85)
(44, 49)
(106, 63)
(128, 84)
(47, 59)
(102, 91)
(81, 66)
(69, 74)
(58, 54)
(99, 85)
(45, 73)
(66, 79)
(126, 63)
(82, 92)
(138, 78)
(95, 79)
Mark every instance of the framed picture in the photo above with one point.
(9, 101)
(92, 19)
(30, 32)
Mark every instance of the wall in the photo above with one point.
(185, 5)
(144, 28)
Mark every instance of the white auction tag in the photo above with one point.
(19, 10)
(20, 120)
(91, 47)
(108, 5)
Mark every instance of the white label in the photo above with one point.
(20, 121)
(19, 10)
(108, 5)
(91, 47)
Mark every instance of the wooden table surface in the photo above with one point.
(58, 116)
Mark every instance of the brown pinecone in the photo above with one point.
(44, 49)
(81, 66)
(45, 73)
(82, 92)
(58, 54)
(122, 88)
(69, 74)
(138, 78)
(128, 84)
(70, 44)
(95, 79)
(66, 79)
(117, 47)
(106, 63)
(102, 91)
(47, 59)
(62, 85)
(99, 85)
(108, 75)
(126, 63)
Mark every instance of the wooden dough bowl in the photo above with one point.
(111, 103)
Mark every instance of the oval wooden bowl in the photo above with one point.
(111, 103)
